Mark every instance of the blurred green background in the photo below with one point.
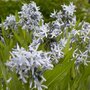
(46, 7)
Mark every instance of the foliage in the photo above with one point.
(8, 7)
(83, 8)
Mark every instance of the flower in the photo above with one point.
(85, 31)
(41, 31)
(54, 29)
(81, 57)
(56, 52)
(53, 15)
(69, 9)
(10, 23)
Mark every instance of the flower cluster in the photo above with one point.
(80, 35)
(30, 16)
(30, 64)
(64, 19)
(10, 23)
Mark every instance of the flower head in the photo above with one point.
(30, 63)
(30, 16)
(69, 9)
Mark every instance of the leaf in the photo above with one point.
(60, 71)
(20, 40)
(1, 44)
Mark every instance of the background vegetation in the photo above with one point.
(10, 7)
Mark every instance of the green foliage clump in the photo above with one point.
(9, 7)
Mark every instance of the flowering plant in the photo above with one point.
(41, 46)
